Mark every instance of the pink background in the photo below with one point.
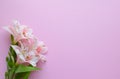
(83, 36)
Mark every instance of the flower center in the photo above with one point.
(38, 49)
(28, 58)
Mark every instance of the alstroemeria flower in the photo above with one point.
(40, 47)
(29, 49)
(28, 43)
(40, 50)
(24, 56)
(19, 31)
(27, 55)
(25, 51)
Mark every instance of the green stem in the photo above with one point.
(6, 75)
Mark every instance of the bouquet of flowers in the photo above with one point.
(24, 52)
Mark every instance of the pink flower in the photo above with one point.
(19, 31)
(26, 54)
(40, 47)
(40, 50)
(29, 50)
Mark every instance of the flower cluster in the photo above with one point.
(28, 49)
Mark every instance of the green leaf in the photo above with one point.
(22, 68)
(12, 52)
(6, 75)
(23, 75)
(12, 39)
(11, 73)
(13, 42)
(10, 64)
(11, 58)
(26, 75)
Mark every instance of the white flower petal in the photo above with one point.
(16, 23)
(30, 31)
(42, 58)
(44, 50)
(8, 29)
(32, 63)
(41, 43)
(34, 60)
(18, 52)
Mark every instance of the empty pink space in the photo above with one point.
(83, 36)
